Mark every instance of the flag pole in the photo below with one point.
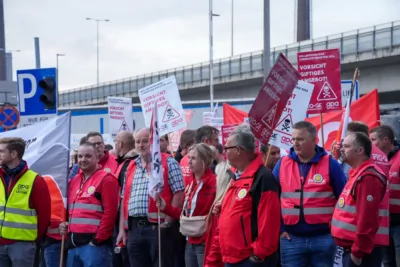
(321, 120)
(159, 237)
(62, 251)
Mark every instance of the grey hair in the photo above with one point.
(244, 138)
(306, 125)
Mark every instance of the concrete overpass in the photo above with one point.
(374, 50)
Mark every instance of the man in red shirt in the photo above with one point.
(93, 197)
(360, 222)
(106, 161)
(383, 138)
(249, 223)
(22, 192)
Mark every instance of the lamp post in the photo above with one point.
(267, 40)
(97, 26)
(211, 15)
(57, 79)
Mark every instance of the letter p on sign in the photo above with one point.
(22, 94)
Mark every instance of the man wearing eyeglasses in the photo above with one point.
(248, 232)
(106, 161)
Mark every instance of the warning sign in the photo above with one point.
(170, 114)
(272, 98)
(124, 126)
(269, 118)
(285, 126)
(322, 68)
(120, 115)
(326, 93)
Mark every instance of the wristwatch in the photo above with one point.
(255, 257)
(167, 224)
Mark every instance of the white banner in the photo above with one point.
(294, 111)
(120, 115)
(156, 181)
(47, 149)
(217, 123)
(207, 116)
(170, 112)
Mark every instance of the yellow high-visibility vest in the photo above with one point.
(17, 220)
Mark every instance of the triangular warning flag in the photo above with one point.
(326, 93)
(269, 118)
(285, 126)
(170, 114)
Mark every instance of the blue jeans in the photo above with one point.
(194, 255)
(391, 254)
(343, 258)
(52, 255)
(315, 251)
(89, 255)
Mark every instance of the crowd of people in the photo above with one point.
(236, 205)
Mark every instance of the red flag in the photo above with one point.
(233, 115)
(365, 109)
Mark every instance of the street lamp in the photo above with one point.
(57, 79)
(232, 28)
(211, 15)
(97, 24)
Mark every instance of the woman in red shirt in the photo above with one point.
(224, 177)
(199, 197)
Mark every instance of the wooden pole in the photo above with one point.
(62, 251)
(321, 120)
(159, 238)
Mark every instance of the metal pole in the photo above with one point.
(57, 82)
(211, 57)
(232, 28)
(98, 79)
(267, 45)
(37, 52)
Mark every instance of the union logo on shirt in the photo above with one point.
(107, 170)
(317, 179)
(242, 193)
(341, 202)
(91, 190)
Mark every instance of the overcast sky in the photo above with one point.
(154, 35)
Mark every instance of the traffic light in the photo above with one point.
(48, 98)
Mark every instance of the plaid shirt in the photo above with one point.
(139, 195)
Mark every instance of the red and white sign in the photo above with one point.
(175, 137)
(272, 99)
(120, 116)
(226, 130)
(170, 112)
(322, 68)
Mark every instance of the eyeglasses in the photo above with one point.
(226, 148)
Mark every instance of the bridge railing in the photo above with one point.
(357, 41)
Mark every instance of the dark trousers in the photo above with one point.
(343, 258)
(120, 259)
(143, 244)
